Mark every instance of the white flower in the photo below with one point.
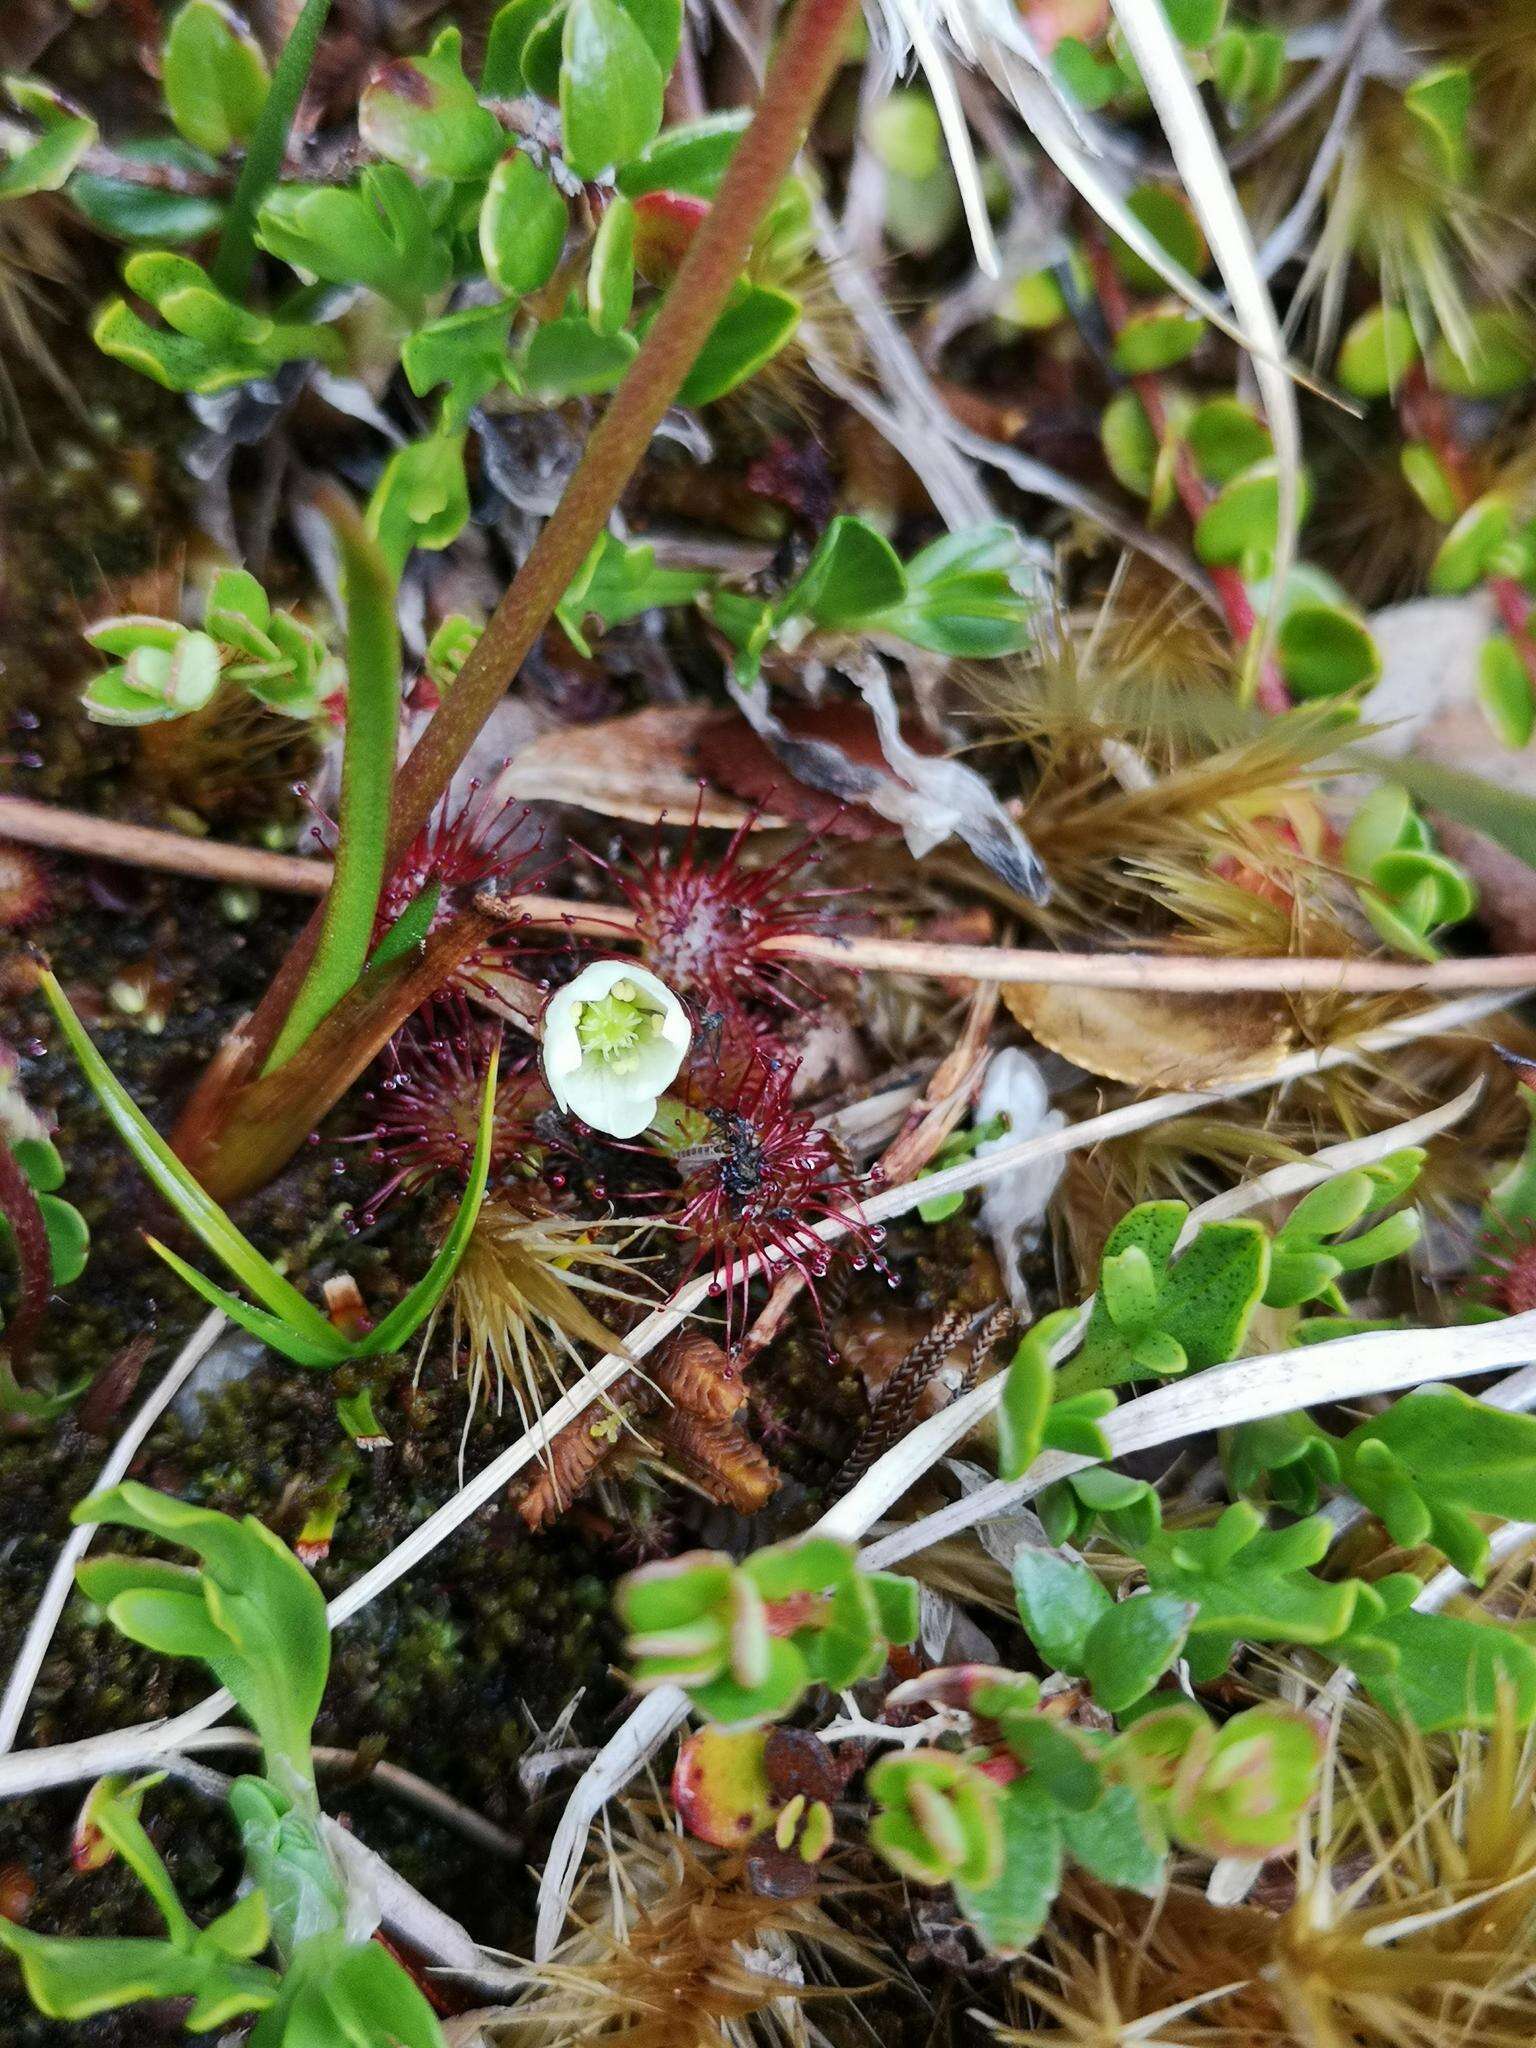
(613, 1040)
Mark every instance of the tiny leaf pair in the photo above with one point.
(747, 1641)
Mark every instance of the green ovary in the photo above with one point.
(615, 1028)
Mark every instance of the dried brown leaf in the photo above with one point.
(642, 766)
(1154, 1039)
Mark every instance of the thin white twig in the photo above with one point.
(1383, 1361)
(67, 1763)
(420, 1792)
(1208, 185)
(39, 1635)
(891, 1476)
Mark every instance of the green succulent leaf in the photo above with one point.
(213, 74)
(610, 87)
(423, 114)
(1009, 1912)
(522, 226)
(251, 1612)
(757, 322)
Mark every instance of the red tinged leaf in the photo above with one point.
(665, 225)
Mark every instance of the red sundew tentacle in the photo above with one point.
(703, 922)
(766, 1178)
(427, 1106)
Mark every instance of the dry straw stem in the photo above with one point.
(132, 1748)
(47, 825)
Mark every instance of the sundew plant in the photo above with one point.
(767, 1099)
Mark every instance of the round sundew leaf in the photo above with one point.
(1130, 445)
(611, 273)
(1498, 356)
(610, 87)
(1504, 691)
(1323, 649)
(1226, 437)
(1467, 549)
(523, 222)
(1242, 521)
(1157, 339)
(1429, 481)
(69, 1241)
(1377, 352)
(1170, 220)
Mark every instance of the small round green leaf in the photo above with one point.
(1157, 339)
(1429, 481)
(1466, 552)
(523, 223)
(1130, 445)
(1377, 352)
(755, 325)
(213, 75)
(1504, 691)
(1323, 649)
(1170, 220)
(610, 87)
(1226, 437)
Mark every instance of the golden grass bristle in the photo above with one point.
(519, 1314)
(673, 1949)
(1406, 1921)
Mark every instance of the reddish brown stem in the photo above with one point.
(34, 1263)
(807, 58)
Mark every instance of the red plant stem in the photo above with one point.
(1426, 417)
(34, 1261)
(807, 58)
(1195, 494)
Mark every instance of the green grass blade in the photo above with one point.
(268, 145)
(192, 1203)
(367, 778)
(273, 1331)
(408, 1315)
